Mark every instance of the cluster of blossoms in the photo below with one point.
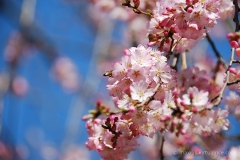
(16, 47)
(181, 23)
(65, 73)
(152, 97)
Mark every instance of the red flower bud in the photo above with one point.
(136, 3)
(234, 44)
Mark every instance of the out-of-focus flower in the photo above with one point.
(15, 47)
(66, 74)
(20, 86)
(76, 153)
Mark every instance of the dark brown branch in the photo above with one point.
(236, 61)
(217, 53)
(170, 52)
(235, 82)
(235, 19)
(161, 147)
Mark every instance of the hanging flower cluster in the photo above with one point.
(182, 23)
(152, 98)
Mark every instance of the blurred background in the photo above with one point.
(48, 78)
(53, 56)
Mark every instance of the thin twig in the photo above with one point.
(220, 95)
(170, 52)
(161, 147)
(138, 11)
(172, 47)
(236, 61)
(217, 53)
(235, 82)
(183, 61)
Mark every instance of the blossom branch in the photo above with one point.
(220, 95)
(136, 10)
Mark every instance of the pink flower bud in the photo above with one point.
(174, 29)
(164, 13)
(99, 148)
(188, 2)
(175, 122)
(169, 8)
(176, 93)
(238, 52)
(234, 44)
(162, 119)
(232, 70)
(131, 109)
(150, 44)
(183, 117)
(126, 52)
(136, 3)
(189, 10)
(182, 103)
(127, 91)
(111, 117)
(183, 131)
(230, 35)
(99, 102)
(191, 95)
(168, 117)
(194, 110)
(165, 33)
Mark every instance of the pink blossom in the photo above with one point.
(195, 97)
(160, 72)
